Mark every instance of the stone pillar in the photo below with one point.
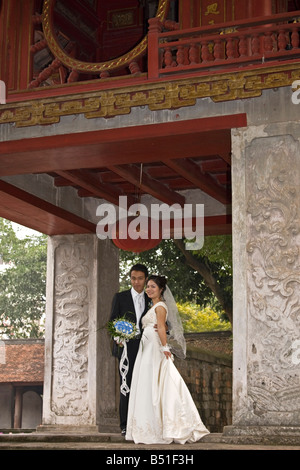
(79, 386)
(266, 266)
(18, 408)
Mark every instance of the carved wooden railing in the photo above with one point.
(67, 75)
(223, 46)
(55, 65)
(217, 48)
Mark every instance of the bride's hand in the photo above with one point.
(166, 350)
(167, 354)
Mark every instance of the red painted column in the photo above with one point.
(185, 14)
(17, 37)
(155, 27)
(259, 8)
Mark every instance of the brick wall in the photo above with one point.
(208, 375)
(207, 371)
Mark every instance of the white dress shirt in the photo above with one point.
(139, 305)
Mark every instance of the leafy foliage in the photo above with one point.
(196, 319)
(22, 283)
(186, 283)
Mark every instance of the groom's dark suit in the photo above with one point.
(123, 306)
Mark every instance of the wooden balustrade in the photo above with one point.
(247, 42)
(227, 46)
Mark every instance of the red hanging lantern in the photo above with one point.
(134, 234)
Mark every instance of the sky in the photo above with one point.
(22, 231)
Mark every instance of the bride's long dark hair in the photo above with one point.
(160, 281)
(176, 337)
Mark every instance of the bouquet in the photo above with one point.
(122, 330)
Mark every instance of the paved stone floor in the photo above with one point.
(115, 443)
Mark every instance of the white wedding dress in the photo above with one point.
(161, 409)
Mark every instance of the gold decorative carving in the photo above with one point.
(157, 96)
(121, 19)
(92, 67)
(212, 9)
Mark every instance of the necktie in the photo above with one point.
(140, 303)
(139, 308)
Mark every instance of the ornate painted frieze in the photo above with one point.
(156, 96)
(273, 247)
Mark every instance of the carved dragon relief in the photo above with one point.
(70, 342)
(273, 246)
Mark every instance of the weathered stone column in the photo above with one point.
(79, 386)
(266, 265)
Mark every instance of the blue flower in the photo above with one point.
(122, 328)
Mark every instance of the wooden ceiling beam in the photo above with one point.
(193, 173)
(36, 213)
(213, 225)
(147, 184)
(226, 157)
(214, 165)
(192, 138)
(87, 180)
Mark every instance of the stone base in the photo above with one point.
(262, 435)
(67, 429)
(109, 424)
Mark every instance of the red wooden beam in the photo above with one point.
(214, 165)
(213, 225)
(218, 225)
(147, 184)
(95, 149)
(192, 172)
(29, 210)
(86, 180)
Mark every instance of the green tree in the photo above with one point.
(214, 264)
(203, 277)
(22, 283)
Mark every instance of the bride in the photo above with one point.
(161, 409)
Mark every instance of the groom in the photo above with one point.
(133, 304)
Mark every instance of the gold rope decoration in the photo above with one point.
(91, 67)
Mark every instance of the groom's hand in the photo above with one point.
(118, 341)
(155, 327)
